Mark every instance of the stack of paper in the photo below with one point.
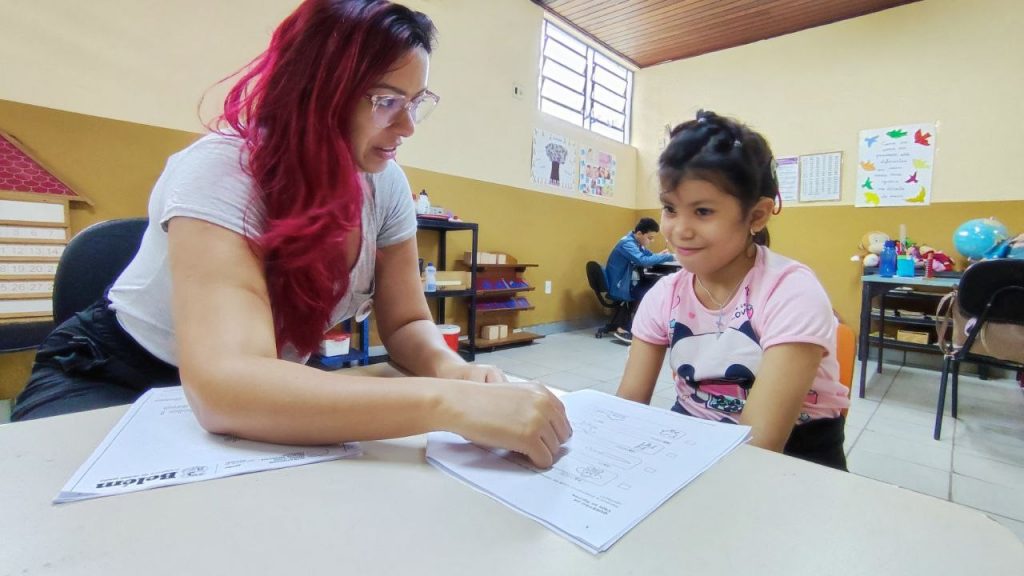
(622, 462)
(158, 442)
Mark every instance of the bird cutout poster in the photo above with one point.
(895, 166)
(554, 160)
(597, 172)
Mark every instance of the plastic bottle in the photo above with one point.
(423, 204)
(887, 260)
(430, 274)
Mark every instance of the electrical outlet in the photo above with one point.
(547, 286)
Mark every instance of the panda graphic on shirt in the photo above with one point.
(717, 370)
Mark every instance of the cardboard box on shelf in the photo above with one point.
(502, 330)
(491, 332)
(503, 258)
(481, 258)
(911, 336)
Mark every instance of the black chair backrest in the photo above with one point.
(983, 279)
(93, 259)
(595, 276)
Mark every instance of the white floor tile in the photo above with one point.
(899, 472)
(1001, 500)
(993, 471)
(990, 441)
(860, 412)
(897, 423)
(568, 381)
(923, 451)
(850, 436)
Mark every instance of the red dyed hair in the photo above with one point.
(293, 106)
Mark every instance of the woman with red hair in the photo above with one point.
(288, 218)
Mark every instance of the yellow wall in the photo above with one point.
(150, 63)
(825, 238)
(947, 61)
(113, 163)
(944, 61)
(116, 163)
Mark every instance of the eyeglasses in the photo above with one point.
(387, 107)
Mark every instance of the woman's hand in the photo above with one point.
(471, 372)
(526, 418)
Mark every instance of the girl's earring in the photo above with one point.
(753, 232)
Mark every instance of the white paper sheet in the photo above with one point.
(158, 442)
(623, 461)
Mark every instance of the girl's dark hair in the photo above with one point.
(293, 106)
(724, 152)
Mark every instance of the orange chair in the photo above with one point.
(846, 354)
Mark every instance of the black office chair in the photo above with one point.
(620, 318)
(92, 261)
(993, 292)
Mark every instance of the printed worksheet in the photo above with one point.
(158, 442)
(622, 462)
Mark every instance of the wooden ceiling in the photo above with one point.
(649, 32)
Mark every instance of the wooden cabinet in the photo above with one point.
(502, 292)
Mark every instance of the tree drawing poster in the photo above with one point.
(895, 166)
(554, 160)
(597, 172)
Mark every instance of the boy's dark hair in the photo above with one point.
(646, 225)
(724, 152)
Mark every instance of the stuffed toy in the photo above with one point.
(940, 262)
(871, 245)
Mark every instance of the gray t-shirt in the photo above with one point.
(206, 181)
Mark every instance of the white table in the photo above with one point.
(388, 512)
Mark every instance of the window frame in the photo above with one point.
(591, 97)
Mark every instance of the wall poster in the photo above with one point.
(554, 160)
(896, 165)
(597, 172)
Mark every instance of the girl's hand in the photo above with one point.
(471, 372)
(526, 418)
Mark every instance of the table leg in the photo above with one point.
(865, 329)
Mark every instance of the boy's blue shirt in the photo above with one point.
(625, 257)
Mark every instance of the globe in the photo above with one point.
(975, 237)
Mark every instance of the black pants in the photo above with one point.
(89, 362)
(818, 441)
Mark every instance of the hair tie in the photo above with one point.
(737, 144)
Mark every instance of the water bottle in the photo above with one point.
(430, 274)
(887, 260)
(423, 204)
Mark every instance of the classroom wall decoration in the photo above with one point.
(554, 160)
(597, 172)
(895, 167)
(787, 172)
(34, 225)
(820, 177)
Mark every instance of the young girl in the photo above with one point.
(750, 333)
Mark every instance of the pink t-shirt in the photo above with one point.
(715, 355)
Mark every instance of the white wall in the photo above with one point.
(149, 61)
(957, 63)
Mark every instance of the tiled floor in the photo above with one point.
(978, 463)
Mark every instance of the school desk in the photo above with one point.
(389, 512)
(873, 285)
